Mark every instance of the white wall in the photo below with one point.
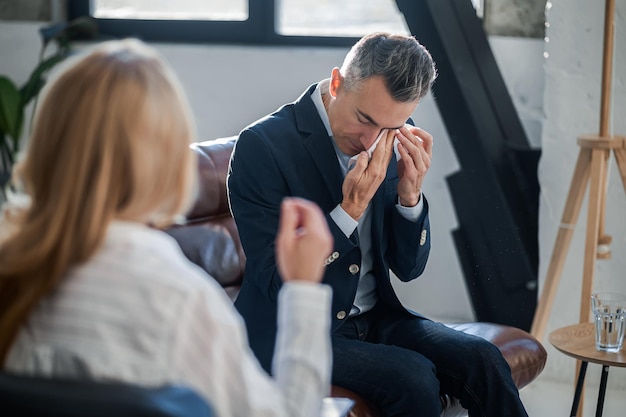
(572, 108)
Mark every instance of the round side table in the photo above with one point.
(578, 341)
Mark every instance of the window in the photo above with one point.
(338, 18)
(171, 10)
(264, 22)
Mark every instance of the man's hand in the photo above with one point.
(416, 150)
(363, 180)
(303, 241)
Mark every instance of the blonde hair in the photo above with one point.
(110, 141)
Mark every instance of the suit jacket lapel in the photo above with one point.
(318, 143)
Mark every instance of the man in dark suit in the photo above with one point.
(345, 145)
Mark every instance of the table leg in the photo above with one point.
(602, 391)
(579, 388)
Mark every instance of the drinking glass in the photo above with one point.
(609, 314)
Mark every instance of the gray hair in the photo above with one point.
(405, 65)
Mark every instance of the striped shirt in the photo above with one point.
(139, 312)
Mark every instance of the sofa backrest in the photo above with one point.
(209, 238)
(213, 159)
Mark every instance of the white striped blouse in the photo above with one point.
(139, 312)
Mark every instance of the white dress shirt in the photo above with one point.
(139, 312)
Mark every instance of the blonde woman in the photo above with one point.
(89, 288)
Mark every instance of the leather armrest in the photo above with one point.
(524, 354)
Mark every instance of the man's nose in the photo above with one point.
(370, 137)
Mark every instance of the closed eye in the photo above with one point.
(363, 119)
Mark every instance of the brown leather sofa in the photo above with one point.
(210, 239)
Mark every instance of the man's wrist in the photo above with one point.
(411, 213)
(411, 202)
(352, 210)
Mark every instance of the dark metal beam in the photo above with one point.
(495, 193)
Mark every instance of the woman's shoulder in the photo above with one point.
(147, 260)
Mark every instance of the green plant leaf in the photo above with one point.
(6, 154)
(6, 162)
(83, 27)
(51, 32)
(11, 110)
(37, 78)
(30, 89)
(18, 132)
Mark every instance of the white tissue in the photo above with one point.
(370, 151)
(395, 149)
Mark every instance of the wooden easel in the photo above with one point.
(591, 166)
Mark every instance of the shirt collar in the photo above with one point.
(316, 96)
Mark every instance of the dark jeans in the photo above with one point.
(402, 363)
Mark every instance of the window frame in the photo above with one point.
(258, 29)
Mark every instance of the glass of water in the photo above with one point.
(609, 314)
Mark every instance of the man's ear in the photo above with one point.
(336, 80)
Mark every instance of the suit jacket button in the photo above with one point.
(331, 258)
(423, 237)
(341, 315)
(354, 269)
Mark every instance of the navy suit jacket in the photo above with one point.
(289, 153)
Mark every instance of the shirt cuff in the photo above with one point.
(306, 301)
(344, 221)
(411, 213)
